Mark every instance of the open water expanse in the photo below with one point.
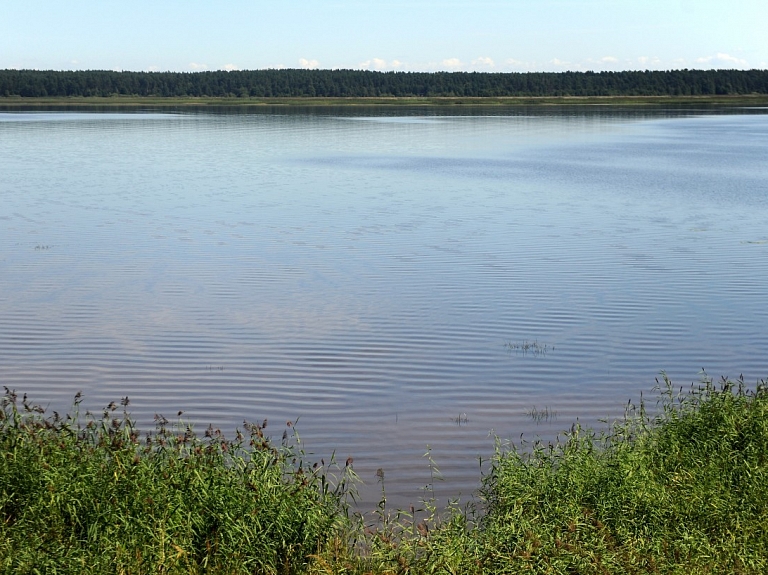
(393, 278)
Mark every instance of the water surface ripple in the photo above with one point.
(393, 279)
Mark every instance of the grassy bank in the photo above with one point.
(88, 494)
(684, 490)
(15, 102)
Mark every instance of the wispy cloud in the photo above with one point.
(229, 67)
(196, 66)
(648, 62)
(721, 58)
(374, 64)
(380, 64)
(598, 63)
(483, 62)
(304, 63)
(452, 63)
(516, 63)
(153, 68)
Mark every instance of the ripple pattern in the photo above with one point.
(396, 284)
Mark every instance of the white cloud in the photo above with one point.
(604, 63)
(379, 64)
(646, 63)
(515, 63)
(304, 63)
(229, 67)
(483, 61)
(452, 63)
(153, 69)
(722, 59)
(560, 63)
(196, 66)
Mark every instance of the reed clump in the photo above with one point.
(88, 494)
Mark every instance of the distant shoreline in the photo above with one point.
(15, 102)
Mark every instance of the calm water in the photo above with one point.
(363, 271)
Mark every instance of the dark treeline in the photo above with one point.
(358, 83)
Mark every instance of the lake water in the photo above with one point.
(393, 278)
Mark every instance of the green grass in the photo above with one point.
(88, 494)
(679, 488)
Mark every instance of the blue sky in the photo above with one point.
(417, 35)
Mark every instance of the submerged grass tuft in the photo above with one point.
(681, 488)
(540, 415)
(529, 347)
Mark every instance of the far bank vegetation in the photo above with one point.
(297, 83)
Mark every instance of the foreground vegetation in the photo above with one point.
(683, 489)
(88, 494)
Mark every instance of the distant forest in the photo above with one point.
(359, 83)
